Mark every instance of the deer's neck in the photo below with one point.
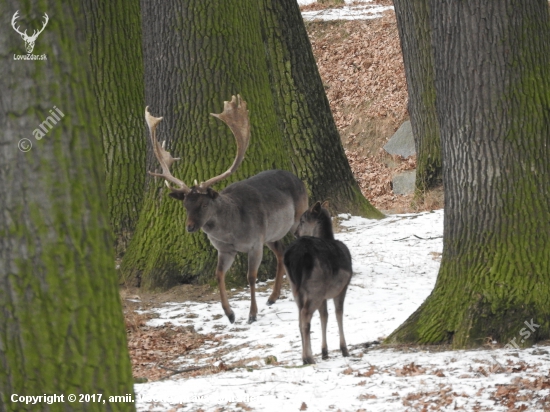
(324, 229)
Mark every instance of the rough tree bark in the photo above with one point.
(114, 29)
(413, 23)
(303, 112)
(492, 64)
(61, 324)
(197, 54)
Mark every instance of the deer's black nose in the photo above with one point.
(191, 228)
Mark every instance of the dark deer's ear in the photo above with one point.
(212, 194)
(177, 195)
(325, 204)
(316, 208)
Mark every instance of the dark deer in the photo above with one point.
(245, 215)
(319, 268)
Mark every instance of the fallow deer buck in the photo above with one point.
(245, 215)
(319, 268)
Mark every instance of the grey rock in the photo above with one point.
(402, 142)
(403, 183)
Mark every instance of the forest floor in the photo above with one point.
(188, 357)
(361, 65)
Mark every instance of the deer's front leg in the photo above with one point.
(225, 260)
(254, 260)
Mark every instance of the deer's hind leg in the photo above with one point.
(278, 249)
(306, 312)
(254, 260)
(339, 306)
(323, 312)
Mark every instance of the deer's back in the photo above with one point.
(314, 263)
(272, 201)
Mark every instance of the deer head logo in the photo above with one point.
(29, 40)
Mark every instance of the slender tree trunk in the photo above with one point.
(117, 64)
(303, 112)
(61, 324)
(415, 33)
(492, 64)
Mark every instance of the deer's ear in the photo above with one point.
(325, 204)
(177, 195)
(212, 193)
(316, 208)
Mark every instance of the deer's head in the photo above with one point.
(199, 198)
(29, 40)
(315, 222)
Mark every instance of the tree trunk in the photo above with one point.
(198, 54)
(415, 33)
(303, 112)
(492, 64)
(61, 324)
(117, 64)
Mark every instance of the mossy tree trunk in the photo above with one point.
(492, 64)
(198, 54)
(415, 33)
(61, 324)
(303, 112)
(114, 29)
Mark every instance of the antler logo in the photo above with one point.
(29, 40)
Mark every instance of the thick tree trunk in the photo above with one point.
(303, 112)
(492, 64)
(115, 35)
(198, 54)
(61, 324)
(415, 33)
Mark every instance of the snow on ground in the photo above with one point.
(395, 266)
(353, 10)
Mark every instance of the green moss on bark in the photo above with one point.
(114, 29)
(61, 329)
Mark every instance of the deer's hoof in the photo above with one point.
(325, 353)
(270, 302)
(251, 319)
(231, 317)
(345, 351)
(309, 361)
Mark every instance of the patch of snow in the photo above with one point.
(395, 263)
(353, 10)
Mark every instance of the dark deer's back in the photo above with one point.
(328, 257)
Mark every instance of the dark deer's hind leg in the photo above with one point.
(323, 311)
(306, 313)
(225, 260)
(278, 250)
(339, 306)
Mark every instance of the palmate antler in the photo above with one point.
(234, 115)
(164, 157)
